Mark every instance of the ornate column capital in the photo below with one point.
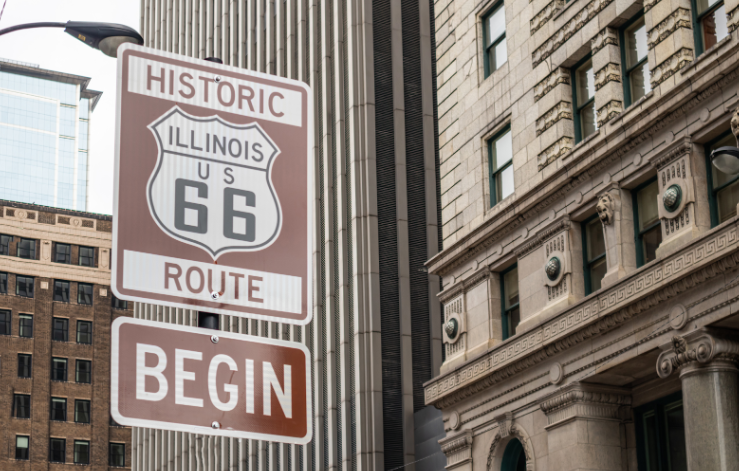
(457, 448)
(701, 346)
(582, 400)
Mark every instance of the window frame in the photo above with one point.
(74, 452)
(77, 371)
(626, 72)
(3, 282)
(76, 411)
(122, 454)
(32, 283)
(61, 284)
(712, 193)
(51, 409)
(68, 255)
(28, 448)
(639, 234)
(31, 251)
(487, 66)
(7, 323)
(117, 303)
(82, 322)
(504, 313)
(30, 364)
(575, 106)
(493, 174)
(16, 406)
(64, 330)
(659, 407)
(587, 263)
(66, 369)
(64, 450)
(700, 46)
(91, 257)
(22, 326)
(79, 293)
(5, 247)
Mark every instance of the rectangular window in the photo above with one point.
(3, 283)
(594, 254)
(119, 303)
(84, 293)
(117, 454)
(83, 371)
(21, 406)
(61, 291)
(87, 256)
(58, 409)
(27, 248)
(5, 241)
(511, 314)
(24, 365)
(500, 163)
(5, 322)
(634, 60)
(493, 26)
(24, 286)
(81, 452)
(57, 450)
(58, 369)
(724, 188)
(25, 325)
(21, 447)
(60, 330)
(647, 228)
(82, 411)
(583, 100)
(84, 332)
(710, 25)
(660, 435)
(62, 253)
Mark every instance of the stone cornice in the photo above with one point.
(469, 282)
(542, 236)
(703, 259)
(583, 162)
(456, 442)
(581, 392)
(701, 346)
(672, 152)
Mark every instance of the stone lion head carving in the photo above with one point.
(605, 209)
(735, 123)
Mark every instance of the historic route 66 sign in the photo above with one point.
(212, 185)
(213, 188)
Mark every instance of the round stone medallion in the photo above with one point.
(552, 268)
(672, 197)
(451, 328)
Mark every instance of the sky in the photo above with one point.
(53, 49)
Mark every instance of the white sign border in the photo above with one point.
(309, 196)
(205, 430)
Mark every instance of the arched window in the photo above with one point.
(514, 459)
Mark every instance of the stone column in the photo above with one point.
(618, 232)
(707, 362)
(584, 427)
(609, 92)
(458, 450)
(553, 97)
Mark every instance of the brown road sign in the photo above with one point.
(187, 379)
(212, 188)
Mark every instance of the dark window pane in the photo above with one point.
(63, 253)
(676, 437)
(24, 365)
(5, 323)
(24, 286)
(3, 283)
(87, 256)
(597, 272)
(119, 303)
(650, 241)
(84, 293)
(25, 325)
(726, 201)
(84, 332)
(635, 43)
(61, 291)
(714, 27)
(5, 241)
(651, 441)
(514, 318)
(57, 450)
(21, 447)
(639, 82)
(595, 240)
(81, 452)
(58, 409)
(60, 331)
(22, 406)
(646, 201)
(588, 124)
(83, 373)
(59, 369)
(27, 248)
(117, 454)
(82, 412)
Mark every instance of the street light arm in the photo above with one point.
(44, 24)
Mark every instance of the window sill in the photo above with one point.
(567, 6)
(705, 55)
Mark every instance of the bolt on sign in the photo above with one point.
(187, 379)
(213, 188)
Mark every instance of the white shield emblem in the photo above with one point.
(212, 185)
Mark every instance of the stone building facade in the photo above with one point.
(589, 262)
(56, 308)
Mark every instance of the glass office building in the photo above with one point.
(44, 135)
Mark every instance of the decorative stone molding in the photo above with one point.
(560, 75)
(457, 448)
(605, 37)
(555, 151)
(45, 250)
(609, 111)
(648, 4)
(464, 285)
(702, 346)
(604, 208)
(454, 311)
(568, 29)
(562, 224)
(104, 258)
(679, 18)
(508, 429)
(671, 65)
(611, 72)
(582, 400)
(733, 19)
(613, 307)
(546, 14)
(674, 151)
(562, 110)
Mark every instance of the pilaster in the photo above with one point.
(669, 38)
(609, 91)
(553, 96)
(458, 450)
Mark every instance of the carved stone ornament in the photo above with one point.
(733, 19)
(546, 14)
(679, 18)
(457, 448)
(735, 123)
(508, 429)
(552, 268)
(562, 110)
(609, 111)
(583, 400)
(45, 250)
(671, 65)
(451, 327)
(672, 197)
(605, 209)
(555, 151)
(701, 346)
(611, 72)
(560, 75)
(605, 37)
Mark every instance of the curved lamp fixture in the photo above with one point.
(105, 37)
(726, 159)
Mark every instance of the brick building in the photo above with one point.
(56, 308)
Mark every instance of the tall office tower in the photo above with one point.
(376, 334)
(56, 309)
(590, 256)
(44, 135)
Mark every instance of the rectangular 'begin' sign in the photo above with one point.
(195, 380)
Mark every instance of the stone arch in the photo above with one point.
(501, 440)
